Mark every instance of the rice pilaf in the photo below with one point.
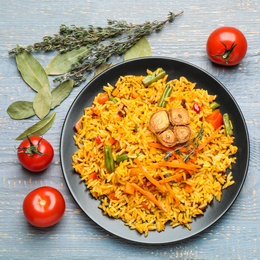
(122, 123)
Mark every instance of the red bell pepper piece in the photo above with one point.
(98, 139)
(215, 119)
(93, 176)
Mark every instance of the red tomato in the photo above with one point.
(103, 98)
(226, 46)
(44, 207)
(35, 153)
(216, 119)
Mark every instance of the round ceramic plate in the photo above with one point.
(175, 68)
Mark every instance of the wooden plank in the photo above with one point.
(234, 236)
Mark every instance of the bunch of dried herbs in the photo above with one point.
(81, 51)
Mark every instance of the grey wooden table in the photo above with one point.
(234, 236)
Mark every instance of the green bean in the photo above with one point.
(227, 124)
(214, 105)
(111, 98)
(166, 93)
(154, 77)
(109, 161)
(122, 157)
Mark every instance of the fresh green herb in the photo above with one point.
(158, 74)
(166, 93)
(168, 155)
(227, 124)
(195, 141)
(96, 51)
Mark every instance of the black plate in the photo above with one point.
(175, 68)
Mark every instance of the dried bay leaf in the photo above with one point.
(42, 102)
(39, 128)
(21, 110)
(62, 62)
(141, 49)
(101, 68)
(61, 92)
(31, 70)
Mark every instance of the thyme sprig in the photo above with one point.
(72, 37)
(191, 152)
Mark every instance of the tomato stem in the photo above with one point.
(226, 54)
(32, 149)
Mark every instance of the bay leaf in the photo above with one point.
(62, 62)
(21, 110)
(42, 102)
(31, 70)
(141, 49)
(61, 92)
(39, 128)
(102, 68)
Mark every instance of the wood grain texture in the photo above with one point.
(234, 236)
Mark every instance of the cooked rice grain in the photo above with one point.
(138, 103)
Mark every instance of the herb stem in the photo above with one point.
(72, 37)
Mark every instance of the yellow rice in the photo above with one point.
(139, 103)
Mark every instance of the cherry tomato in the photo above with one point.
(35, 153)
(103, 98)
(226, 46)
(44, 206)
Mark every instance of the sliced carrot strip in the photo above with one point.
(188, 188)
(150, 196)
(177, 177)
(202, 145)
(148, 176)
(180, 165)
(171, 191)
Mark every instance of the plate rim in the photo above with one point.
(173, 60)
